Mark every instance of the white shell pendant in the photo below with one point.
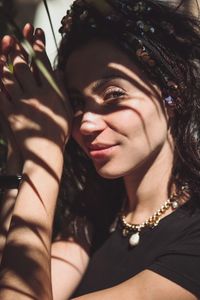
(175, 204)
(134, 239)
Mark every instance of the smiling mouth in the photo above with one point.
(101, 152)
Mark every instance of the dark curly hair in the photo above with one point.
(165, 42)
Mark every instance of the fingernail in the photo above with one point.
(6, 43)
(7, 38)
(38, 30)
(29, 26)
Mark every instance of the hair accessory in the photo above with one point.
(169, 100)
(132, 231)
(134, 26)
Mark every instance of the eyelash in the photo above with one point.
(113, 94)
(110, 95)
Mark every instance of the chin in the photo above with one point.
(118, 170)
(108, 172)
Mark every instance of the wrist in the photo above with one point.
(50, 164)
(8, 182)
(13, 166)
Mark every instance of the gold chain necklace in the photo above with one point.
(133, 230)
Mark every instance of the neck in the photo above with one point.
(148, 187)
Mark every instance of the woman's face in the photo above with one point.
(119, 120)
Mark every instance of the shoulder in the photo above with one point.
(185, 223)
(179, 261)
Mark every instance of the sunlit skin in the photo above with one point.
(125, 112)
(116, 106)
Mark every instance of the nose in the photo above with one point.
(91, 123)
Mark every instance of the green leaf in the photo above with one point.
(2, 142)
(43, 69)
(49, 78)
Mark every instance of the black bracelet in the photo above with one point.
(10, 181)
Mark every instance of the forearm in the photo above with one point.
(26, 259)
(7, 202)
(6, 209)
(40, 123)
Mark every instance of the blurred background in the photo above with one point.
(33, 11)
(16, 13)
(23, 11)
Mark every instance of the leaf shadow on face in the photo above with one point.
(141, 83)
(150, 91)
(21, 251)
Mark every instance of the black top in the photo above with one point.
(172, 249)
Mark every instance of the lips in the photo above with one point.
(100, 151)
(98, 146)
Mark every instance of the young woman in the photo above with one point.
(126, 130)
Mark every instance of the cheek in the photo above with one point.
(156, 125)
(141, 122)
(144, 122)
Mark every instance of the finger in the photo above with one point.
(2, 63)
(28, 32)
(22, 70)
(10, 86)
(13, 51)
(6, 44)
(39, 34)
(5, 105)
(13, 153)
(17, 55)
(7, 123)
(19, 49)
(20, 58)
(9, 43)
(10, 48)
(39, 48)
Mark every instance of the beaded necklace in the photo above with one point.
(132, 231)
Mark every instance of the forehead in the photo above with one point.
(98, 59)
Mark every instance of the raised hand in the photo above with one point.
(37, 116)
(39, 121)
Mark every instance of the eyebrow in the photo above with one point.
(108, 76)
(105, 79)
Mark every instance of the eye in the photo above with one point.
(114, 93)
